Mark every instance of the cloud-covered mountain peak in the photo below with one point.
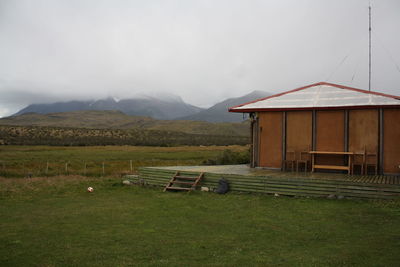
(161, 96)
(158, 106)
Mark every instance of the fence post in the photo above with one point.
(131, 166)
(66, 167)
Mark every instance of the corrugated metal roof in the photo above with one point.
(320, 95)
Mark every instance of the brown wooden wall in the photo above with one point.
(364, 130)
(330, 130)
(298, 130)
(391, 140)
(270, 137)
(330, 135)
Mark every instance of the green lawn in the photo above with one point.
(55, 222)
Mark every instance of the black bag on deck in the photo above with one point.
(223, 186)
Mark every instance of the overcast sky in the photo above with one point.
(203, 51)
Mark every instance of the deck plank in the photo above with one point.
(316, 184)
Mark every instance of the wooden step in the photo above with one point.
(176, 180)
(185, 177)
(179, 188)
(180, 182)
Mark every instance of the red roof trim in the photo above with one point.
(313, 108)
(232, 109)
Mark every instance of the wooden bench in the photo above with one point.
(331, 167)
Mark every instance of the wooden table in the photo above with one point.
(331, 167)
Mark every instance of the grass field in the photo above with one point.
(55, 222)
(19, 161)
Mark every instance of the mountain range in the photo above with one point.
(219, 112)
(163, 107)
(112, 119)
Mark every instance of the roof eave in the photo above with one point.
(248, 110)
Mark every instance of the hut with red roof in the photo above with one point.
(326, 126)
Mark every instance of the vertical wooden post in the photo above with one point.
(346, 130)
(66, 167)
(131, 165)
(252, 140)
(314, 130)
(283, 138)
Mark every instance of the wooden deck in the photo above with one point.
(244, 179)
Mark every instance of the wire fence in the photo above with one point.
(34, 168)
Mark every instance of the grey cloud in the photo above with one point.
(204, 51)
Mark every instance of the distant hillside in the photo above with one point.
(159, 108)
(36, 135)
(94, 119)
(219, 112)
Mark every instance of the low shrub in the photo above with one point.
(229, 157)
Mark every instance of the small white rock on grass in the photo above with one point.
(126, 182)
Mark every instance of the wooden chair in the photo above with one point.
(289, 161)
(358, 160)
(371, 160)
(303, 159)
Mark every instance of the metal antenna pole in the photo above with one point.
(369, 51)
